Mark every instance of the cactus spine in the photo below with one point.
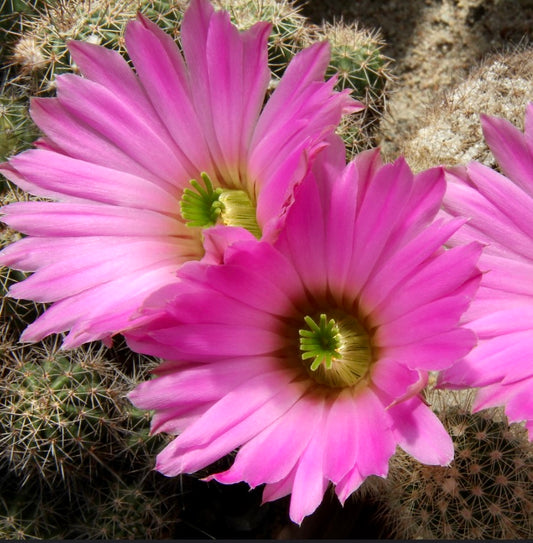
(486, 493)
(501, 86)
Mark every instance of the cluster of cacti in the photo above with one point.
(486, 493)
(67, 430)
(138, 506)
(40, 51)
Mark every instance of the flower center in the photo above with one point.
(337, 351)
(204, 206)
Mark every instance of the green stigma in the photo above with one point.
(201, 207)
(205, 206)
(337, 351)
(320, 342)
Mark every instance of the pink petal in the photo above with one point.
(238, 417)
(195, 384)
(341, 232)
(375, 444)
(191, 341)
(88, 270)
(309, 480)
(437, 352)
(98, 312)
(394, 378)
(275, 491)
(237, 66)
(381, 208)
(487, 224)
(164, 77)
(508, 275)
(300, 112)
(271, 455)
(303, 238)
(109, 69)
(340, 437)
(219, 238)
(489, 362)
(405, 263)
(49, 174)
(276, 196)
(59, 125)
(420, 433)
(350, 484)
(503, 195)
(508, 321)
(451, 272)
(305, 68)
(509, 147)
(66, 219)
(425, 200)
(131, 131)
(175, 420)
(516, 397)
(423, 322)
(255, 272)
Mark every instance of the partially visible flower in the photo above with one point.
(121, 146)
(500, 212)
(309, 354)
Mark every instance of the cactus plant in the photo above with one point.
(130, 507)
(357, 57)
(31, 511)
(358, 60)
(14, 314)
(60, 412)
(17, 130)
(501, 86)
(486, 493)
(11, 14)
(41, 53)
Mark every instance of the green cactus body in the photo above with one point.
(358, 61)
(17, 130)
(41, 53)
(486, 493)
(30, 511)
(14, 314)
(131, 508)
(360, 69)
(167, 14)
(60, 412)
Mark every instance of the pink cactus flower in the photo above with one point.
(500, 212)
(121, 147)
(310, 353)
